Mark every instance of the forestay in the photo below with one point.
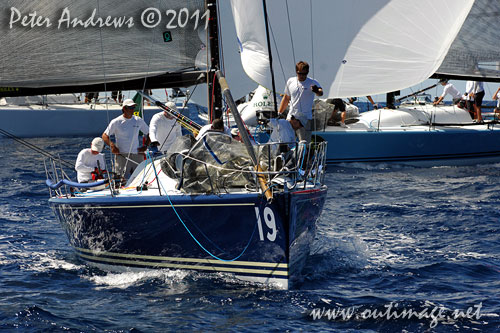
(71, 42)
(355, 47)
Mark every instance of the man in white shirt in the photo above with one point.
(126, 149)
(88, 160)
(283, 130)
(496, 97)
(477, 94)
(217, 125)
(300, 92)
(164, 129)
(450, 90)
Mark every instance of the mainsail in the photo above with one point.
(475, 52)
(355, 47)
(73, 43)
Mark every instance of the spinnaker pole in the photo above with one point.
(184, 121)
(244, 135)
(416, 92)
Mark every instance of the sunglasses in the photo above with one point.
(302, 73)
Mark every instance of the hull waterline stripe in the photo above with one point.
(154, 206)
(181, 266)
(206, 261)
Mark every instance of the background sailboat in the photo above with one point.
(389, 46)
(68, 115)
(355, 48)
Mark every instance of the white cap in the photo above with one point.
(129, 102)
(234, 131)
(97, 144)
(171, 105)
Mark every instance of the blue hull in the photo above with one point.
(450, 146)
(240, 234)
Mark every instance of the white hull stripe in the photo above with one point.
(156, 206)
(184, 266)
(99, 254)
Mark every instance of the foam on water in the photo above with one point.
(133, 278)
(45, 262)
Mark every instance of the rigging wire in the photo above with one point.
(277, 53)
(191, 234)
(221, 44)
(312, 36)
(270, 54)
(312, 55)
(104, 76)
(290, 31)
(36, 148)
(103, 64)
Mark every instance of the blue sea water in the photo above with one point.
(391, 238)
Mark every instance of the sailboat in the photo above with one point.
(214, 205)
(68, 115)
(384, 47)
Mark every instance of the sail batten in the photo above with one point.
(80, 43)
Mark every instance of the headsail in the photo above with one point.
(475, 52)
(77, 43)
(356, 47)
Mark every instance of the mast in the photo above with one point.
(391, 99)
(270, 58)
(214, 91)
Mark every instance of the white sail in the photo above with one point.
(355, 47)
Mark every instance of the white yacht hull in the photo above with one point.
(415, 135)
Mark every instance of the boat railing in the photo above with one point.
(61, 185)
(297, 162)
(281, 167)
(55, 174)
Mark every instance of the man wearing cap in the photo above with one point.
(164, 129)
(126, 148)
(88, 160)
(449, 89)
(235, 134)
(300, 92)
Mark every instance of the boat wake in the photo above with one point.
(46, 261)
(373, 166)
(129, 279)
(335, 253)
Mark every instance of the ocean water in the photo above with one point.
(391, 240)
